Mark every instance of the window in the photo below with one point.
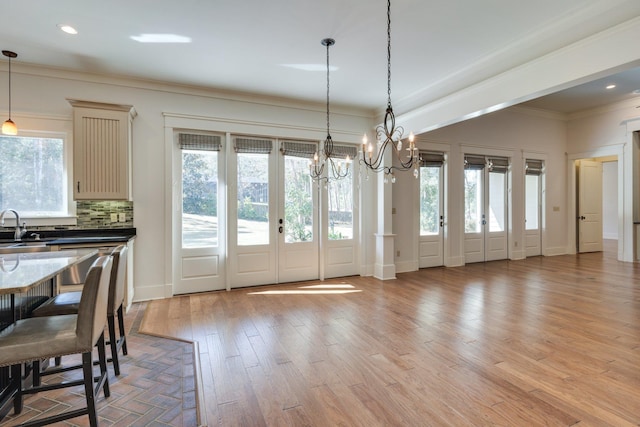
(199, 189)
(430, 197)
(33, 176)
(340, 198)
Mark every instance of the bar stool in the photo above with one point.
(32, 339)
(67, 303)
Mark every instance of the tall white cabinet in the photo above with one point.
(102, 137)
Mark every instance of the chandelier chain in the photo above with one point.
(328, 44)
(388, 53)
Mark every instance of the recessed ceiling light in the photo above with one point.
(161, 38)
(67, 29)
(611, 86)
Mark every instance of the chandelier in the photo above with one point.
(388, 135)
(326, 158)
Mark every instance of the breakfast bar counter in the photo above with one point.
(20, 272)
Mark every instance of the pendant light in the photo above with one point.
(9, 127)
(326, 156)
(388, 135)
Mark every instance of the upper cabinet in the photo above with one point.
(102, 150)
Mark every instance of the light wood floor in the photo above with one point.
(551, 341)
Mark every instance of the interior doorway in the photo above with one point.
(597, 219)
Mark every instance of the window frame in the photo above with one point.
(60, 128)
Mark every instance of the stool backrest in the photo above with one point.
(118, 277)
(92, 310)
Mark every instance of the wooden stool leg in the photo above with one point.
(104, 375)
(113, 343)
(89, 391)
(123, 336)
(35, 367)
(16, 384)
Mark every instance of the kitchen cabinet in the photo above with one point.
(102, 138)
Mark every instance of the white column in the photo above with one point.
(385, 267)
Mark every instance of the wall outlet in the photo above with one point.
(114, 217)
(122, 217)
(398, 253)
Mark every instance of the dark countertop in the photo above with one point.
(68, 237)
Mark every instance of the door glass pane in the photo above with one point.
(496, 201)
(340, 194)
(253, 199)
(429, 200)
(298, 200)
(532, 204)
(199, 198)
(472, 200)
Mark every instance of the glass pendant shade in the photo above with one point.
(9, 128)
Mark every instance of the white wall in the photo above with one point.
(610, 200)
(39, 93)
(514, 131)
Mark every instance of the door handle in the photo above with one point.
(280, 229)
(441, 220)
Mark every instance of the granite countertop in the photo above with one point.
(20, 272)
(68, 237)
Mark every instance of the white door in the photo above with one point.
(589, 206)
(431, 240)
(273, 214)
(533, 207)
(298, 214)
(340, 220)
(485, 215)
(252, 212)
(199, 238)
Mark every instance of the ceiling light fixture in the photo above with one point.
(611, 86)
(320, 160)
(68, 29)
(9, 127)
(387, 134)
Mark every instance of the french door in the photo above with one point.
(431, 240)
(485, 215)
(273, 222)
(199, 206)
(533, 207)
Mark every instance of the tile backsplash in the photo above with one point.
(97, 213)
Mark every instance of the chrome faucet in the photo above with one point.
(20, 231)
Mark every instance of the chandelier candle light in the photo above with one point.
(320, 160)
(388, 135)
(9, 127)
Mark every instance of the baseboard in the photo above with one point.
(406, 266)
(455, 261)
(148, 293)
(554, 251)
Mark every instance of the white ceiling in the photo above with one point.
(438, 46)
